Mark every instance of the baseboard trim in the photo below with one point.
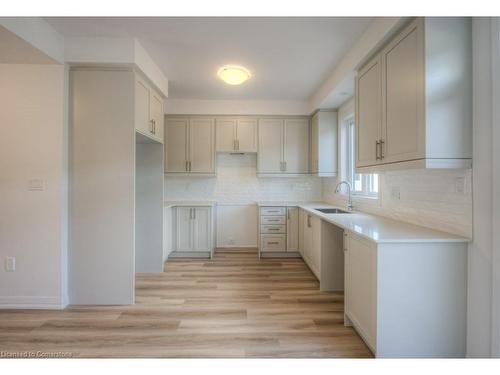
(31, 302)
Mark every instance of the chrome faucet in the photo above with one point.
(350, 207)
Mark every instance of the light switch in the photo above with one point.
(10, 264)
(35, 184)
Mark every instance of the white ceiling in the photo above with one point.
(288, 57)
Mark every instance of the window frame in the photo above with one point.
(347, 140)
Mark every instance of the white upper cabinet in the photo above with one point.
(283, 146)
(411, 112)
(246, 135)
(324, 143)
(190, 146)
(270, 156)
(296, 146)
(176, 145)
(225, 135)
(236, 135)
(148, 110)
(201, 145)
(368, 110)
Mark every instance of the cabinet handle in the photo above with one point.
(190, 214)
(194, 213)
(186, 166)
(273, 243)
(377, 143)
(309, 221)
(288, 214)
(381, 149)
(284, 166)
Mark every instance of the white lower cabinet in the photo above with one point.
(278, 231)
(407, 299)
(360, 283)
(193, 231)
(312, 243)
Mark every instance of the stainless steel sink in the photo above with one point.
(331, 211)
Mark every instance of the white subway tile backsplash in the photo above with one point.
(237, 183)
(427, 197)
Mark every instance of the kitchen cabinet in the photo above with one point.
(283, 147)
(278, 231)
(324, 143)
(360, 285)
(193, 231)
(405, 117)
(149, 112)
(407, 299)
(292, 229)
(190, 146)
(236, 135)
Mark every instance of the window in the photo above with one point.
(363, 184)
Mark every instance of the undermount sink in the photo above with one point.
(331, 211)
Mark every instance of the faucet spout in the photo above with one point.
(350, 206)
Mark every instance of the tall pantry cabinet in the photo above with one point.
(116, 183)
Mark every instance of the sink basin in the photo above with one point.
(331, 211)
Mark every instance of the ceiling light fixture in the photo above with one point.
(234, 74)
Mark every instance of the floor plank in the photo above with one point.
(233, 305)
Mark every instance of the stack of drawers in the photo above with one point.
(272, 229)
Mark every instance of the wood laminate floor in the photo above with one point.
(234, 305)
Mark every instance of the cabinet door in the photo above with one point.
(368, 113)
(176, 140)
(296, 146)
(157, 114)
(292, 229)
(202, 238)
(202, 145)
(307, 238)
(302, 223)
(270, 155)
(246, 135)
(360, 268)
(184, 229)
(142, 110)
(314, 144)
(403, 129)
(315, 252)
(225, 135)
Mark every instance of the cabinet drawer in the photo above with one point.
(270, 242)
(273, 220)
(273, 229)
(272, 211)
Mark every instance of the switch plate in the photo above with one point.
(396, 193)
(35, 184)
(460, 185)
(10, 264)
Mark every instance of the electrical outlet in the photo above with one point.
(396, 193)
(10, 264)
(460, 185)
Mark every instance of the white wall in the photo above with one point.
(236, 107)
(236, 189)
(483, 320)
(33, 223)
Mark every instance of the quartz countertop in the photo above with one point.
(189, 203)
(375, 228)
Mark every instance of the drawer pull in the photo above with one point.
(273, 243)
(274, 228)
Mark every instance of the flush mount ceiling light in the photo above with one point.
(234, 74)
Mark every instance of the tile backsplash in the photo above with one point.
(439, 199)
(237, 183)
